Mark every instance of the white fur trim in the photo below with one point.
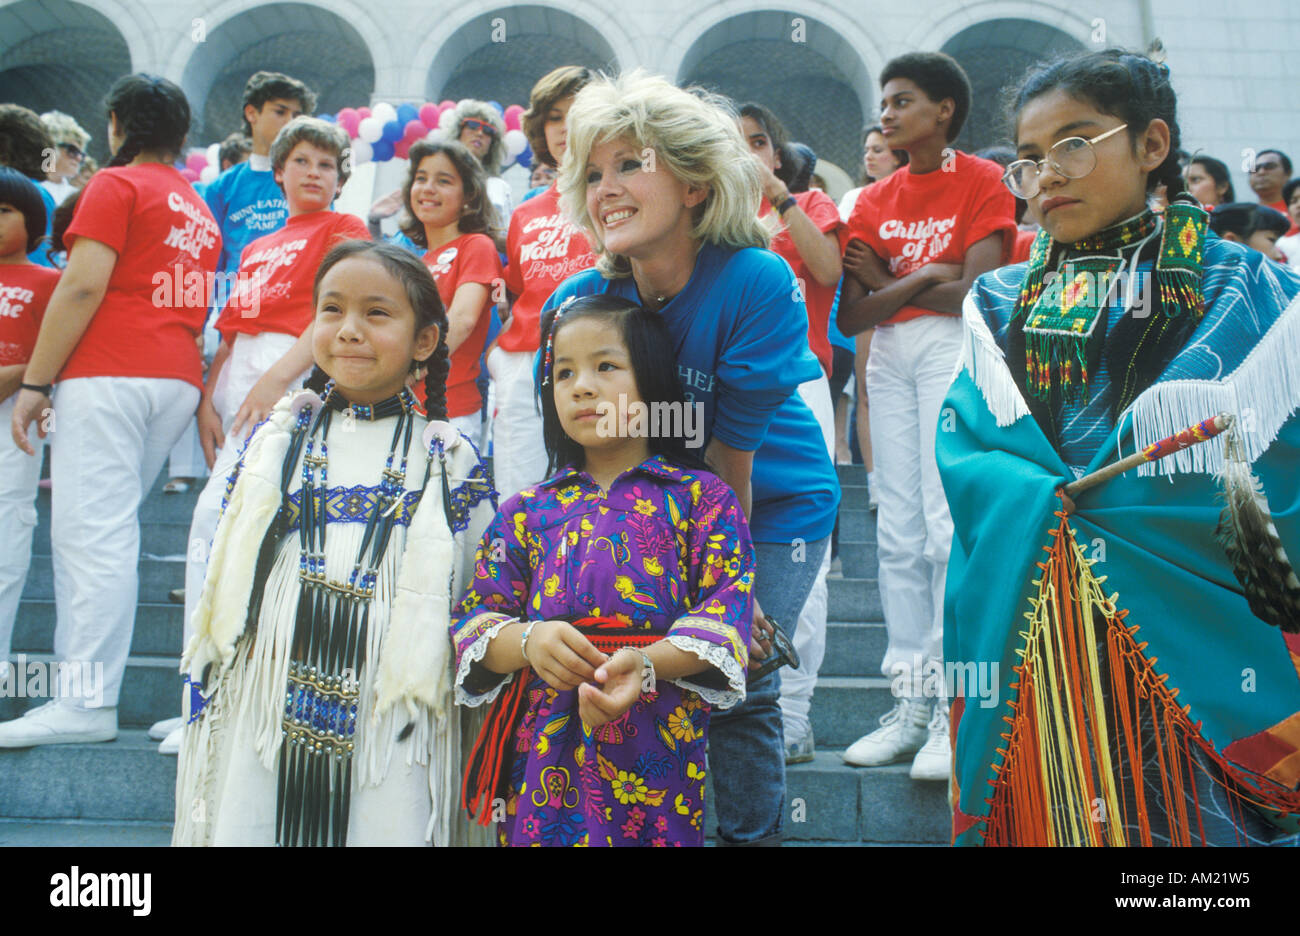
(984, 361)
(1263, 393)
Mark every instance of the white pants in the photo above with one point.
(251, 356)
(110, 439)
(186, 457)
(19, 475)
(908, 374)
(518, 453)
(810, 634)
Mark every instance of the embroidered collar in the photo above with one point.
(656, 466)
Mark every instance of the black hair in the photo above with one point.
(152, 114)
(62, 221)
(1216, 171)
(478, 215)
(1287, 190)
(1127, 85)
(24, 141)
(1245, 218)
(651, 354)
(266, 86)
(939, 76)
(234, 150)
(807, 162)
(22, 194)
(421, 293)
(1283, 157)
(775, 130)
(1005, 156)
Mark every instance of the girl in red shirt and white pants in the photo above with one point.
(121, 338)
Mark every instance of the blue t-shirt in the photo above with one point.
(247, 205)
(39, 255)
(837, 338)
(742, 350)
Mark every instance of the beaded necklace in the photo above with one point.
(314, 785)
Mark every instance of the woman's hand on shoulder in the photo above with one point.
(561, 655)
(259, 402)
(621, 678)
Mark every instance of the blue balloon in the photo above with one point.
(392, 132)
(406, 113)
(525, 158)
(328, 118)
(381, 150)
(500, 110)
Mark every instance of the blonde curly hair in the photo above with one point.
(695, 134)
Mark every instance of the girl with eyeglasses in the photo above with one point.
(1128, 720)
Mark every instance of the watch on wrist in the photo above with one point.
(43, 389)
(785, 205)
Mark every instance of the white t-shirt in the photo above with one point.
(1290, 247)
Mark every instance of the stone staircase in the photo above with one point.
(121, 793)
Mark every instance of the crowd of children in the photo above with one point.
(391, 637)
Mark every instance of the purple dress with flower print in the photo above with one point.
(665, 549)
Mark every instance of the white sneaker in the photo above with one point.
(162, 729)
(934, 760)
(902, 731)
(172, 743)
(59, 723)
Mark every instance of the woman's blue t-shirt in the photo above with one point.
(741, 332)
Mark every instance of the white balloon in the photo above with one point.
(214, 155)
(516, 141)
(385, 112)
(362, 152)
(438, 135)
(448, 119)
(370, 129)
(208, 174)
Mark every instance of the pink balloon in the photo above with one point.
(429, 115)
(347, 112)
(197, 161)
(363, 112)
(446, 104)
(414, 130)
(402, 147)
(514, 117)
(350, 123)
(189, 175)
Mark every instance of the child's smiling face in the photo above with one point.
(437, 192)
(364, 332)
(1071, 209)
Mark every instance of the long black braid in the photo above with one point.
(152, 113)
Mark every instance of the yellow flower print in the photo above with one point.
(716, 607)
(643, 506)
(695, 773)
(682, 725)
(551, 585)
(652, 565)
(682, 805)
(697, 817)
(628, 788)
(568, 495)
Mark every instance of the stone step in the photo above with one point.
(857, 525)
(151, 691)
(84, 833)
(854, 648)
(853, 496)
(844, 708)
(858, 560)
(157, 629)
(853, 599)
(116, 780)
(851, 474)
(829, 801)
(158, 576)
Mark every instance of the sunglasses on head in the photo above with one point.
(473, 123)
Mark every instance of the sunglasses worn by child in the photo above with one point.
(473, 123)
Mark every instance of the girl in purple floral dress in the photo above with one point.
(605, 747)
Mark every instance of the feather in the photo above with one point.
(1253, 545)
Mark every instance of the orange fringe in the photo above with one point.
(1055, 784)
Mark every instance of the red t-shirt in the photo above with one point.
(1280, 205)
(544, 250)
(167, 245)
(824, 213)
(911, 219)
(1020, 251)
(470, 258)
(272, 292)
(25, 290)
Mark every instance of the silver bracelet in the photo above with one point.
(647, 669)
(523, 641)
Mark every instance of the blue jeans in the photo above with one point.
(746, 745)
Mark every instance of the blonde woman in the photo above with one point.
(664, 184)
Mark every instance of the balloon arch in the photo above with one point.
(386, 132)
